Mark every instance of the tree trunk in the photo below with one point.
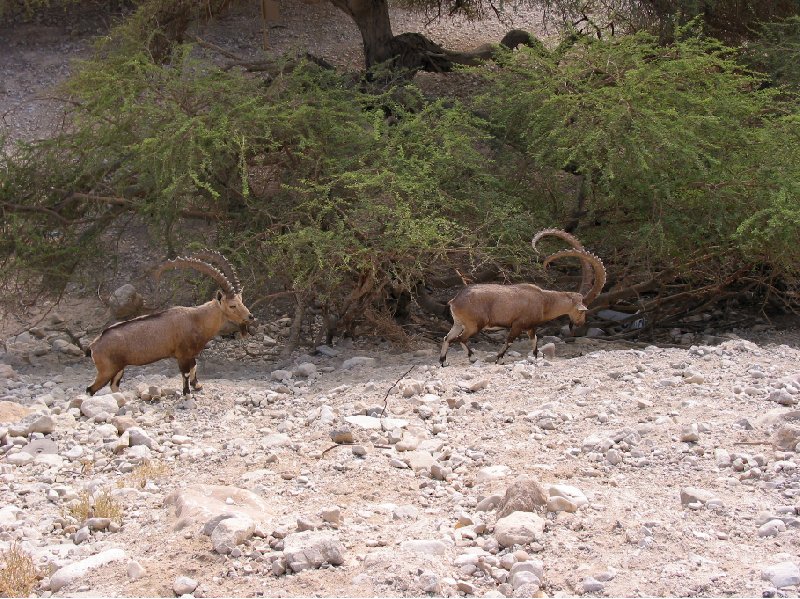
(412, 52)
(372, 19)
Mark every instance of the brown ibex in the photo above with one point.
(179, 332)
(521, 307)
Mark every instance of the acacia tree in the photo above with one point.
(726, 19)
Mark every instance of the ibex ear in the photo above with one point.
(219, 295)
(582, 308)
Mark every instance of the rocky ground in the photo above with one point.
(624, 472)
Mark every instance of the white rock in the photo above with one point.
(135, 570)
(231, 532)
(78, 570)
(474, 385)
(92, 407)
(184, 585)
(424, 546)
(524, 577)
(358, 361)
(490, 473)
(592, 585)
(561, 504)
(309, 549)
(783, 574)
(20, 458)
(695, 495)
(367, 422)
(518, 528)
(418, 460)
(771, 528)
(305, 370)
(573, 494)
(690, 434)
(280, 375)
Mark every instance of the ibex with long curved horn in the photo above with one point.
(523, 307)
(179, 332)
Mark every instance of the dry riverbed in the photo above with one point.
(625, 472)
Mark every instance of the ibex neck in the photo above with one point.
(210, 319)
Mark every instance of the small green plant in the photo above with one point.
(18, 573)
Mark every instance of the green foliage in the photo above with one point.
(776, 51)
(678, 143)
(322, 184)
(343, 193)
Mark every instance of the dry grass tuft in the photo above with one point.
(102, 505)
(144, 472)
(18, 573)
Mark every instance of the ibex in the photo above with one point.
(522, 307)
(179, 332)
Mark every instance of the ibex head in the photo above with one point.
(229, 297)
(577, 311)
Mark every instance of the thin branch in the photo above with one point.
(386, 397)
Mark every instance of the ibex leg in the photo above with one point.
(193, 377)
(186, 367)
(512, 334)
(455, 333)
(116, 379)
(534, 341)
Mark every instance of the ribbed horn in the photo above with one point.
(586, 273)
(588, 259)
(216, 258)
(199, 266)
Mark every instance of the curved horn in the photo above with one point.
(217, 259)
(199, 266)
(570, 239)
(586, 273)
(588, 259)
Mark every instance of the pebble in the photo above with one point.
(135, 570)
(592, 585)
(342, 434)
(690, 434)
(184, 585)
(690, 495)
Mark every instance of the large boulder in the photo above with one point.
(11, 411)
(125, 302)
(524, 495)
(78, 570)
(205, 506)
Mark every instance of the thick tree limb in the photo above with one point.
(133, 205)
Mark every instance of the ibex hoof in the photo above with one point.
(197, 387)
